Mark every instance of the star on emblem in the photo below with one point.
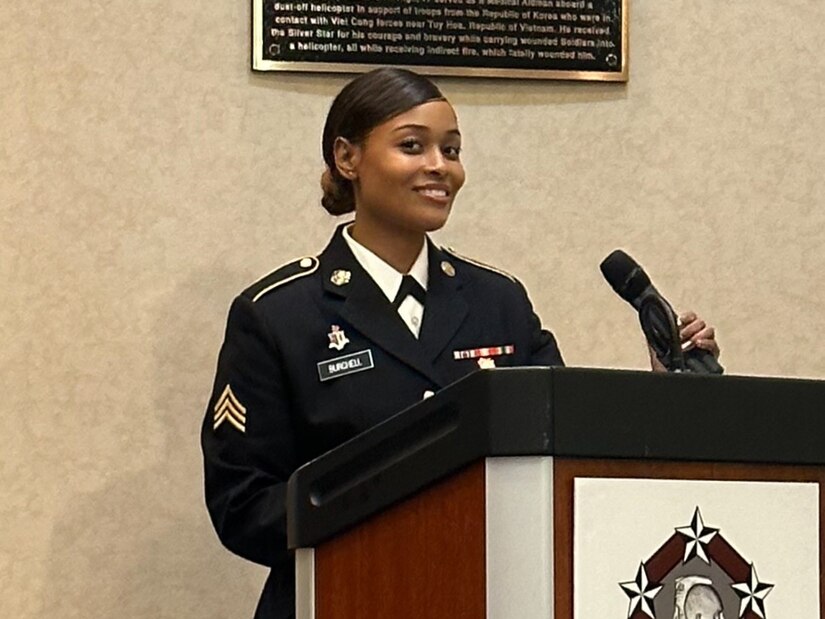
(697, 538)
(641, 593)
(486, 363)
(752, 594)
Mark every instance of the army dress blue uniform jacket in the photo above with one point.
(270, 411)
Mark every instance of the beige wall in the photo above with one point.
(146, 176)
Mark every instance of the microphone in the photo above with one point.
(656, 316)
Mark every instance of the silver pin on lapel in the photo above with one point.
(340, 277)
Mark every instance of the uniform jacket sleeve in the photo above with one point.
(248, 441)
(544, 350)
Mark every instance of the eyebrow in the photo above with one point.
(424, 128)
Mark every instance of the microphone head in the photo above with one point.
(624, 275)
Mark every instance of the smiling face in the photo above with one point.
(406, 172)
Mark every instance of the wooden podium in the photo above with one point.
(462, 505)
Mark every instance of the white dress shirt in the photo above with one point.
(389, 280)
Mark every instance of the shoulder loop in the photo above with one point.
(283, 275)
(481, 265)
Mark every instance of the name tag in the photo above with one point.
(348, 364)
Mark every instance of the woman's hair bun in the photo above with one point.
(338, 198)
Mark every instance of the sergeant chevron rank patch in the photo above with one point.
(228, 408)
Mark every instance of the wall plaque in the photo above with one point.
(537, 39)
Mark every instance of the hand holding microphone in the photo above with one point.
(695, 332)
(679, 343)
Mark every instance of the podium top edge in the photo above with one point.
(566, 412)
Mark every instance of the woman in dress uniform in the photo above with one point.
(329, 345)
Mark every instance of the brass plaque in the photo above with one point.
(534, 39)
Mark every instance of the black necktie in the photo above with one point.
(409, 286)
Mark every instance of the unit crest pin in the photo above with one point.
(337, 338)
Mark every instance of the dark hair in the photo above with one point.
(362, 105)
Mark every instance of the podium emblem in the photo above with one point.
(696, 574)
